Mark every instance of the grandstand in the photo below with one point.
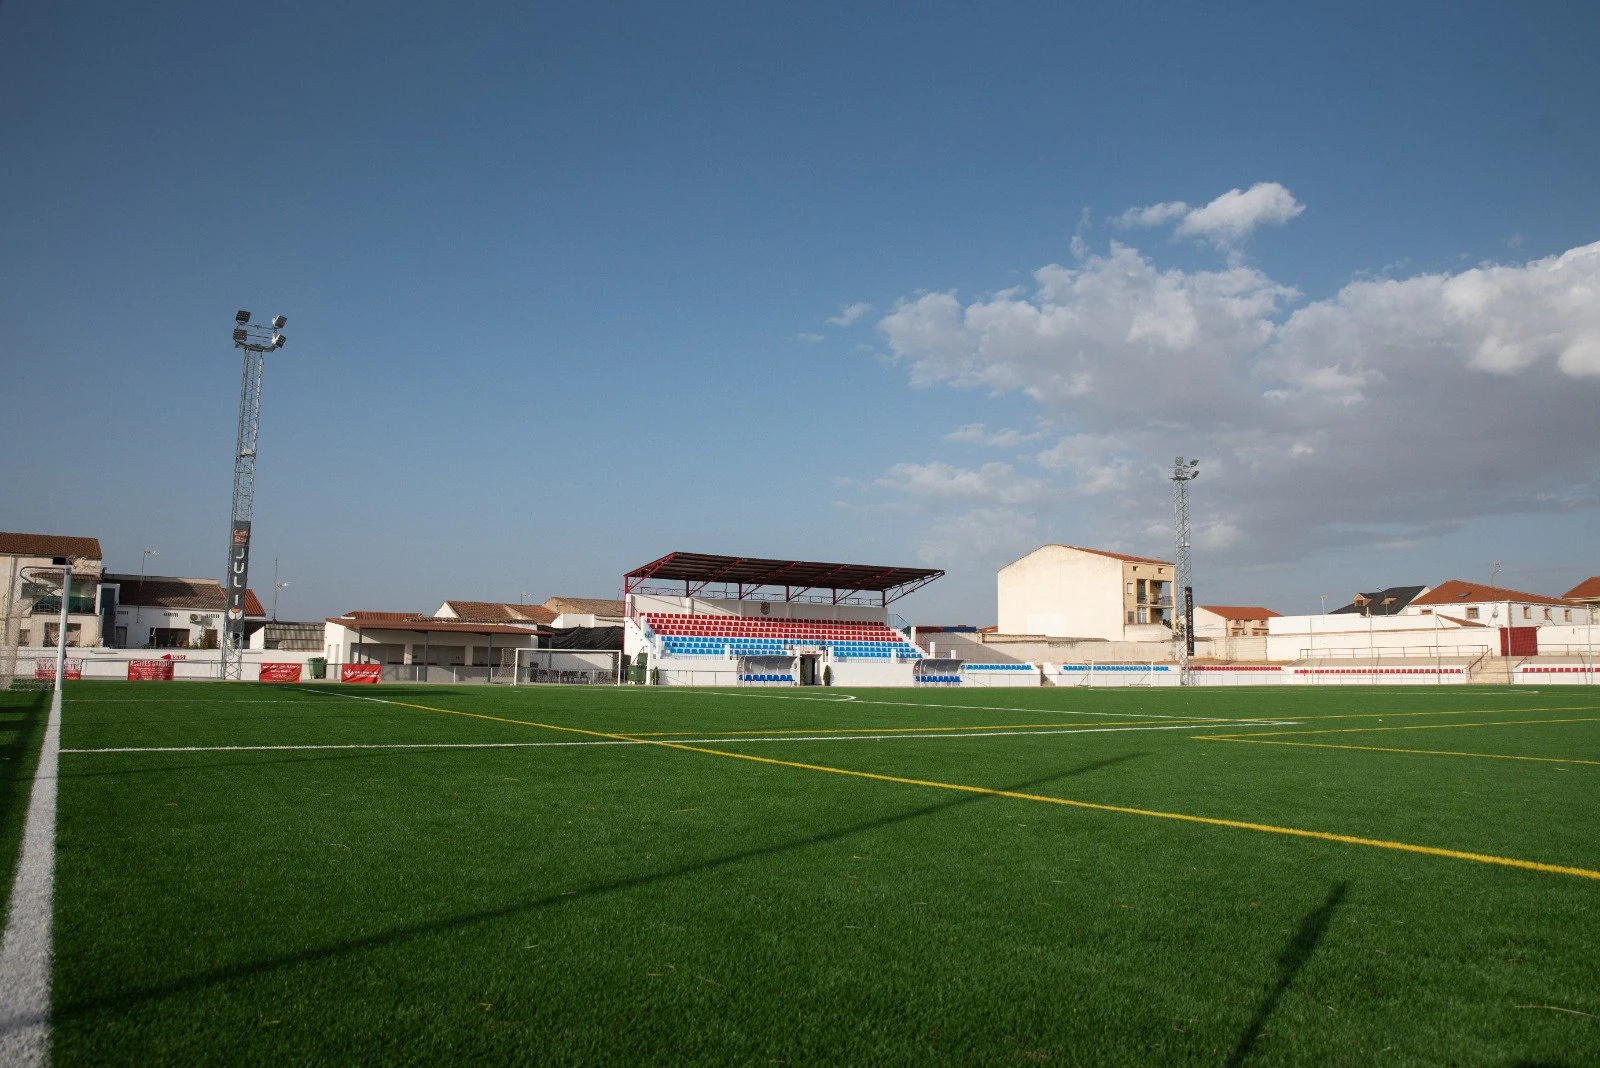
(703, 620)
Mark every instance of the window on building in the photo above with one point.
(1567, 614)
(1527, 613)
(1472, 613)
(120, 637)
(1547, 613)
(25, 637)
(1130, 620)
(169, 637)
(1130, 589)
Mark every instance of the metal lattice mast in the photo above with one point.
(1183, 472)
(256, 342)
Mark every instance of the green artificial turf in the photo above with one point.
(627, 903)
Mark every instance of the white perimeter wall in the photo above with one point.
(1062, 592)
(1289, 636)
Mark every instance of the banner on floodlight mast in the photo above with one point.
(1188, 619)
(238, 578)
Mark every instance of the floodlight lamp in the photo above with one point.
(241, 317)
(278, 340)
(278, 321)
(239, 334)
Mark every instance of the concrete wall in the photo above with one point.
(1291, 638)
(862, 673)
(1062, 592)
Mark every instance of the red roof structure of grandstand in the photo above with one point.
(743, 575)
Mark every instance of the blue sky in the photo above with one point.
(559, 284)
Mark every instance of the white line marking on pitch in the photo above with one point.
(651, 741)
(25, 953)
(689, 692)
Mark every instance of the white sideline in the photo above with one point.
(721, 740)
(25, 953)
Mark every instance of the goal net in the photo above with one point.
(569, 667)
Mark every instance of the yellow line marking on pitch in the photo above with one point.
(1208, 821)
(1309, 718)
(1386, 749)
(1409, 727)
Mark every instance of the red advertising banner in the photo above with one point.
(363, 673)
(45, 668)
(149, 671)
(280, 672)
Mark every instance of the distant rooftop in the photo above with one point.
(51, 545)
(1389, 602)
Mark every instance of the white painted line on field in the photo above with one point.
(686, 691)
(722, 740)
(25, 953)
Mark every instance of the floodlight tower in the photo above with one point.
(255, 341)
(1183, 472)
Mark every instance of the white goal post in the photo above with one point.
(591, 667)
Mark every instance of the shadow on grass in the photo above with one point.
(262, 758)
(26, 716)
(633, 882)
(1290, 961)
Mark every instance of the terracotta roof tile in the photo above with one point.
(1239, 611)
(1588, 589)
(51, 545)
(1455, 591)
(585, 606)
(166, 591)
(401, 621)
(499, 612)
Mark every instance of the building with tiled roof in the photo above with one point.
(1497, 606)
(1586, 592)
(30, 604)
(1068, 591)
(51, 548)
(586, 611)
(497, 612)
(420, 648)
(1231, 621)
(172, 612)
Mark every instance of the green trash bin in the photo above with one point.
(317, 666)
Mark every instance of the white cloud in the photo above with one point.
(1396, 409)
(850, 313)
(1115, 331)
(1153, 214)
(998, 483)
(1098, 463)
(1231, 217)
(1224, 222)
(978, 539)
(978, 434)
(809, 338)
